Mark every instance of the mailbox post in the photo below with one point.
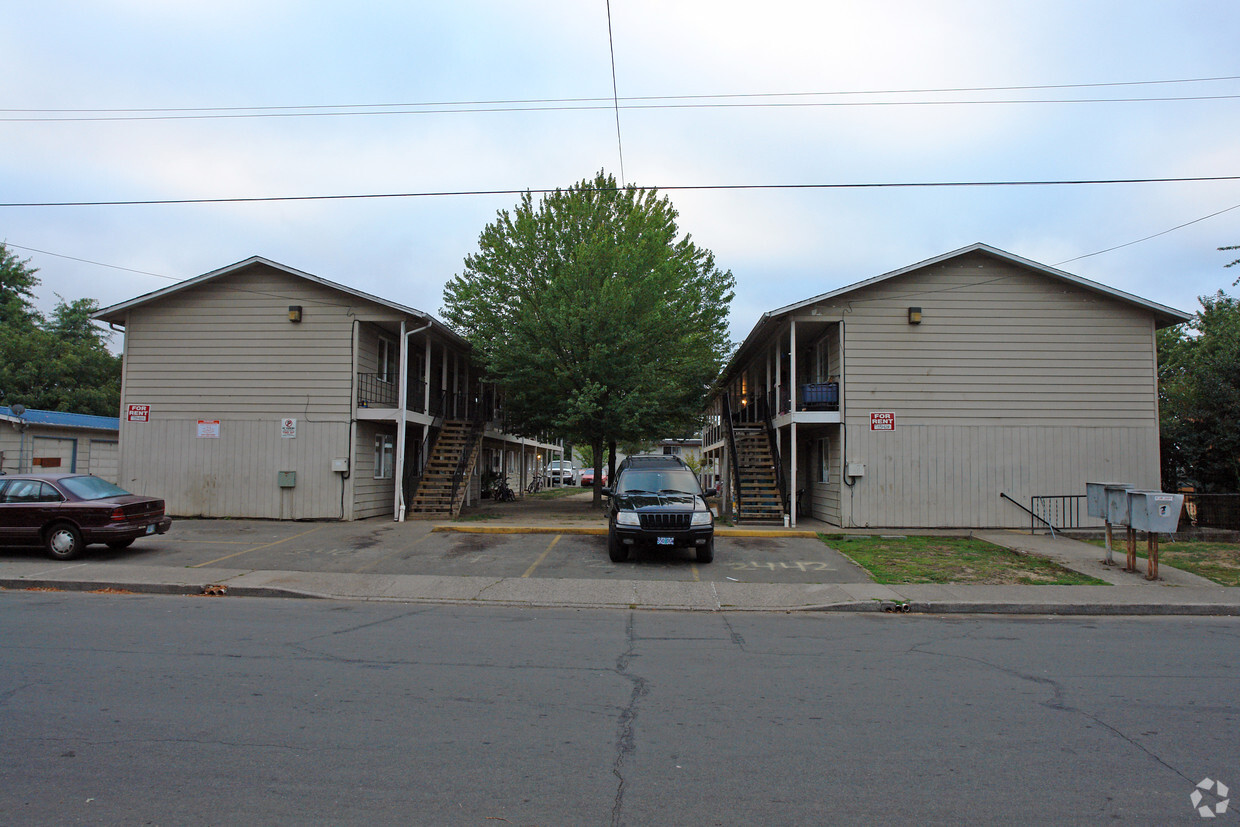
(1153, 512)
(1096, 503)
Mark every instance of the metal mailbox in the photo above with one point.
(1096, 497)
(1154, 511)
(1117, 505)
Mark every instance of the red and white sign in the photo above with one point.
(138, 413)
(208, 429)
(882, 421)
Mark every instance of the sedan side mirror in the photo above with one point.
(607, 492)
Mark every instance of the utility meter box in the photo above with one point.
(1117, 505)
(287, 479)
(340, 465)
(1154, 511)
(1096, 497)
(855, 469)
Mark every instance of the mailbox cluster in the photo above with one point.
(1153, 512)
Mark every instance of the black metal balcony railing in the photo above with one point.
(376, 391)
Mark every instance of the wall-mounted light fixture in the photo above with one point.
(914, 315)
(294, 312)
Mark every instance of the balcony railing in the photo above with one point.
(377, 391)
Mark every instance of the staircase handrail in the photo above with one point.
(424, 455)
(768, 420)
(463, 465)
(733, 461)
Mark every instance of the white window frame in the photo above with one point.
(386, 370)
(385, 456)
(824, 460)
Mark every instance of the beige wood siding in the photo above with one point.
(824, 498)
(930, 476)
(371, 497)
(226, 348)
(997, 343)
(236, 475)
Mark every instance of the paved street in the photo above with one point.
(381, 546)
(191, 710)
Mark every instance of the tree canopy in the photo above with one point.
(1199, 398)
(594, 317)
(57, 363)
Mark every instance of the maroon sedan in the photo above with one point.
(67, 512)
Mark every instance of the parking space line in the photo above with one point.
(542, 556)
(696, 575)
(256, 548)
(387, 557)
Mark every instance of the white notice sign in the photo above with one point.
(288, 428)
(208, 429)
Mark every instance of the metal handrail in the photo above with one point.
(735, 483)
(1030, 513)
(780, 479)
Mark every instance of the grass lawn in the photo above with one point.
(951, 560)
(1219, 562)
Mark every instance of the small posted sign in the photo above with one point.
(208, 429)
(882, 421)
(288, 428)
(138, 413)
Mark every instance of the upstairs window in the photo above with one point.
(387, 360)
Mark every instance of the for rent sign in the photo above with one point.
(138, 413)
(882, 421)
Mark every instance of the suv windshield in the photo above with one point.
(658, 480)
(92, 488)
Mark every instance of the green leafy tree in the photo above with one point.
(60, 363)
(1199, 398)
(595, 318)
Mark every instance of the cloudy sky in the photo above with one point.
(146, 100)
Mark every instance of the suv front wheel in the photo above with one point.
(616, 550)
(706, 553)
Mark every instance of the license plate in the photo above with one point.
(664, 541)
(150, 529)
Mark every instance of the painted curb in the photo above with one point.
(601, 531)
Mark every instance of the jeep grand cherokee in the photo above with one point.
(657, 501)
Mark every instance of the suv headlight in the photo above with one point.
(627, 518)
(702, 518)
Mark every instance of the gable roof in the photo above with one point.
(1163, 316)
(62, 419)
(116, 313)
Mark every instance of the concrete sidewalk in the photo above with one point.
(1177, 592)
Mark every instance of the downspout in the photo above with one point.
(403, 417)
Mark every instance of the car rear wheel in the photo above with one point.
(63, 542)
(117, 545)
(706, 553)
(616, 550)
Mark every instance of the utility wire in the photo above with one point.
(615, 93)
(627, 99)
(588, 107)
(1148, 237)
(672, 188)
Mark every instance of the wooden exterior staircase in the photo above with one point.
(445, 478)
(757, 485)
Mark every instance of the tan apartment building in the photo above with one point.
(258, 390)
(949, 393)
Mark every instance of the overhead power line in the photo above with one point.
(615, 102)
(668, 188)
(631, 98)
(608, 105)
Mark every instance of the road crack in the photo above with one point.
(626, 744)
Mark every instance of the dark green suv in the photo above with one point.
(657, 501)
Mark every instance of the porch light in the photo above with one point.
(294, 312)
(914, 315)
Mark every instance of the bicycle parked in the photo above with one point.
(535, 485)
(501, 493)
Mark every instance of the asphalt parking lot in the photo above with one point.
(382, 546)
